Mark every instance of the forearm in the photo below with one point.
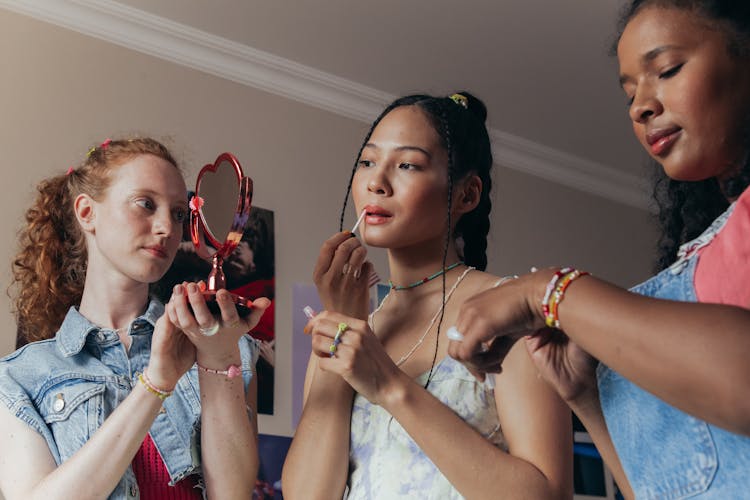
(109, 452)
(693, 356)
(472, 464)
(590, 414)
(229, 440)
(317, 463)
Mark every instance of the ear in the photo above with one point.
(85, 212)
(467, 194)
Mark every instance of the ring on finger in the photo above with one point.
(233, 324)
(211, 330)
(337, 339)
(345, 269)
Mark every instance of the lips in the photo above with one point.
(661, 140)
(157, 251)
(375, 210)
(376, 215)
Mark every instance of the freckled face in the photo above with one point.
(402, 181)
(690, 97)
(138, 222)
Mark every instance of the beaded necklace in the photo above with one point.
(406, 356)
(424, 280)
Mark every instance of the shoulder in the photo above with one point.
(479, 281)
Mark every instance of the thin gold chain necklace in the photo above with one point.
(406, 356)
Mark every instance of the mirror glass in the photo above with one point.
(219, 191)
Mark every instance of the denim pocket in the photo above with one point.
(73, 411)
(666, 453)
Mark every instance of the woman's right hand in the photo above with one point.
(172, 354)
(342, 276)
(491, 321)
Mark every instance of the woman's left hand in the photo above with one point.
(359, 357)
(219, 349)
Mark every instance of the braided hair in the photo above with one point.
(459, 121)
(687, 208)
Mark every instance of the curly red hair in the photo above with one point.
(49, 270)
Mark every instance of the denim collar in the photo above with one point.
(75, 328)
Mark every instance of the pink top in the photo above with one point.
(723, 271)
(153, 478)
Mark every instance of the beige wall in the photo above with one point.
(62, 92)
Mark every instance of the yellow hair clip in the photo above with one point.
(91, 151)
(461, 100)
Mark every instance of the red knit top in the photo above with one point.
(153, 478)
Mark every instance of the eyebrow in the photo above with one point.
(647, 58)
(182, 203)
(402, 148)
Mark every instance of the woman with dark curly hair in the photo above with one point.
(659, 375)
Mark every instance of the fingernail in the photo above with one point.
(357, 273)
(192, 288)
(202, 286)
(345, 269)
(178, 290)
(454, 334)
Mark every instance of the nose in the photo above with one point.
(378, 182)
(645, 106)
(164, 224)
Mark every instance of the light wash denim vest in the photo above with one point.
(65, 387)
(666, 453)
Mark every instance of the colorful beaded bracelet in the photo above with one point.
(560, 283)
(150, 387)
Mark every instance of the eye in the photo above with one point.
(671, 72)
(407, 166)
(365, 163)
(145, 203)
(180, 214)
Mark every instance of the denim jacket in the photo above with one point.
(666, 453)
(65, 387)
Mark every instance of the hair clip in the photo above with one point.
(106, 143)
(196, 202)
(459, 99)
(91, 151)
(70, 171)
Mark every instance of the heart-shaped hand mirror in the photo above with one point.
(218, 214)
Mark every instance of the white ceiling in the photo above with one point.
(541, 66)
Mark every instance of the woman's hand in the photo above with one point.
(570, 370)
(342, 276)
(172, 354)
(491, 321)
(220, 349)
(359, 357)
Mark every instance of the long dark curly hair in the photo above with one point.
(686, 209)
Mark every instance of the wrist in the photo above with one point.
(395, 393)
(219, 361)
(158, 379)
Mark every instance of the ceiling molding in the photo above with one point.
(166, 39)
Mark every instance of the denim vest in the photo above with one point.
(666, 453)
(64, 388)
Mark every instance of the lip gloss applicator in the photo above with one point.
(359, 221)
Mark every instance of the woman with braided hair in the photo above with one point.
(387, 414)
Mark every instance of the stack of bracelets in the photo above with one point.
(555, 293)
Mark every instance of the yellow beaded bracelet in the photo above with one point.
(143, 378)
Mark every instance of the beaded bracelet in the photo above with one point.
(560, 284)
(550, 288)
(232, 371)
(150, 387)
